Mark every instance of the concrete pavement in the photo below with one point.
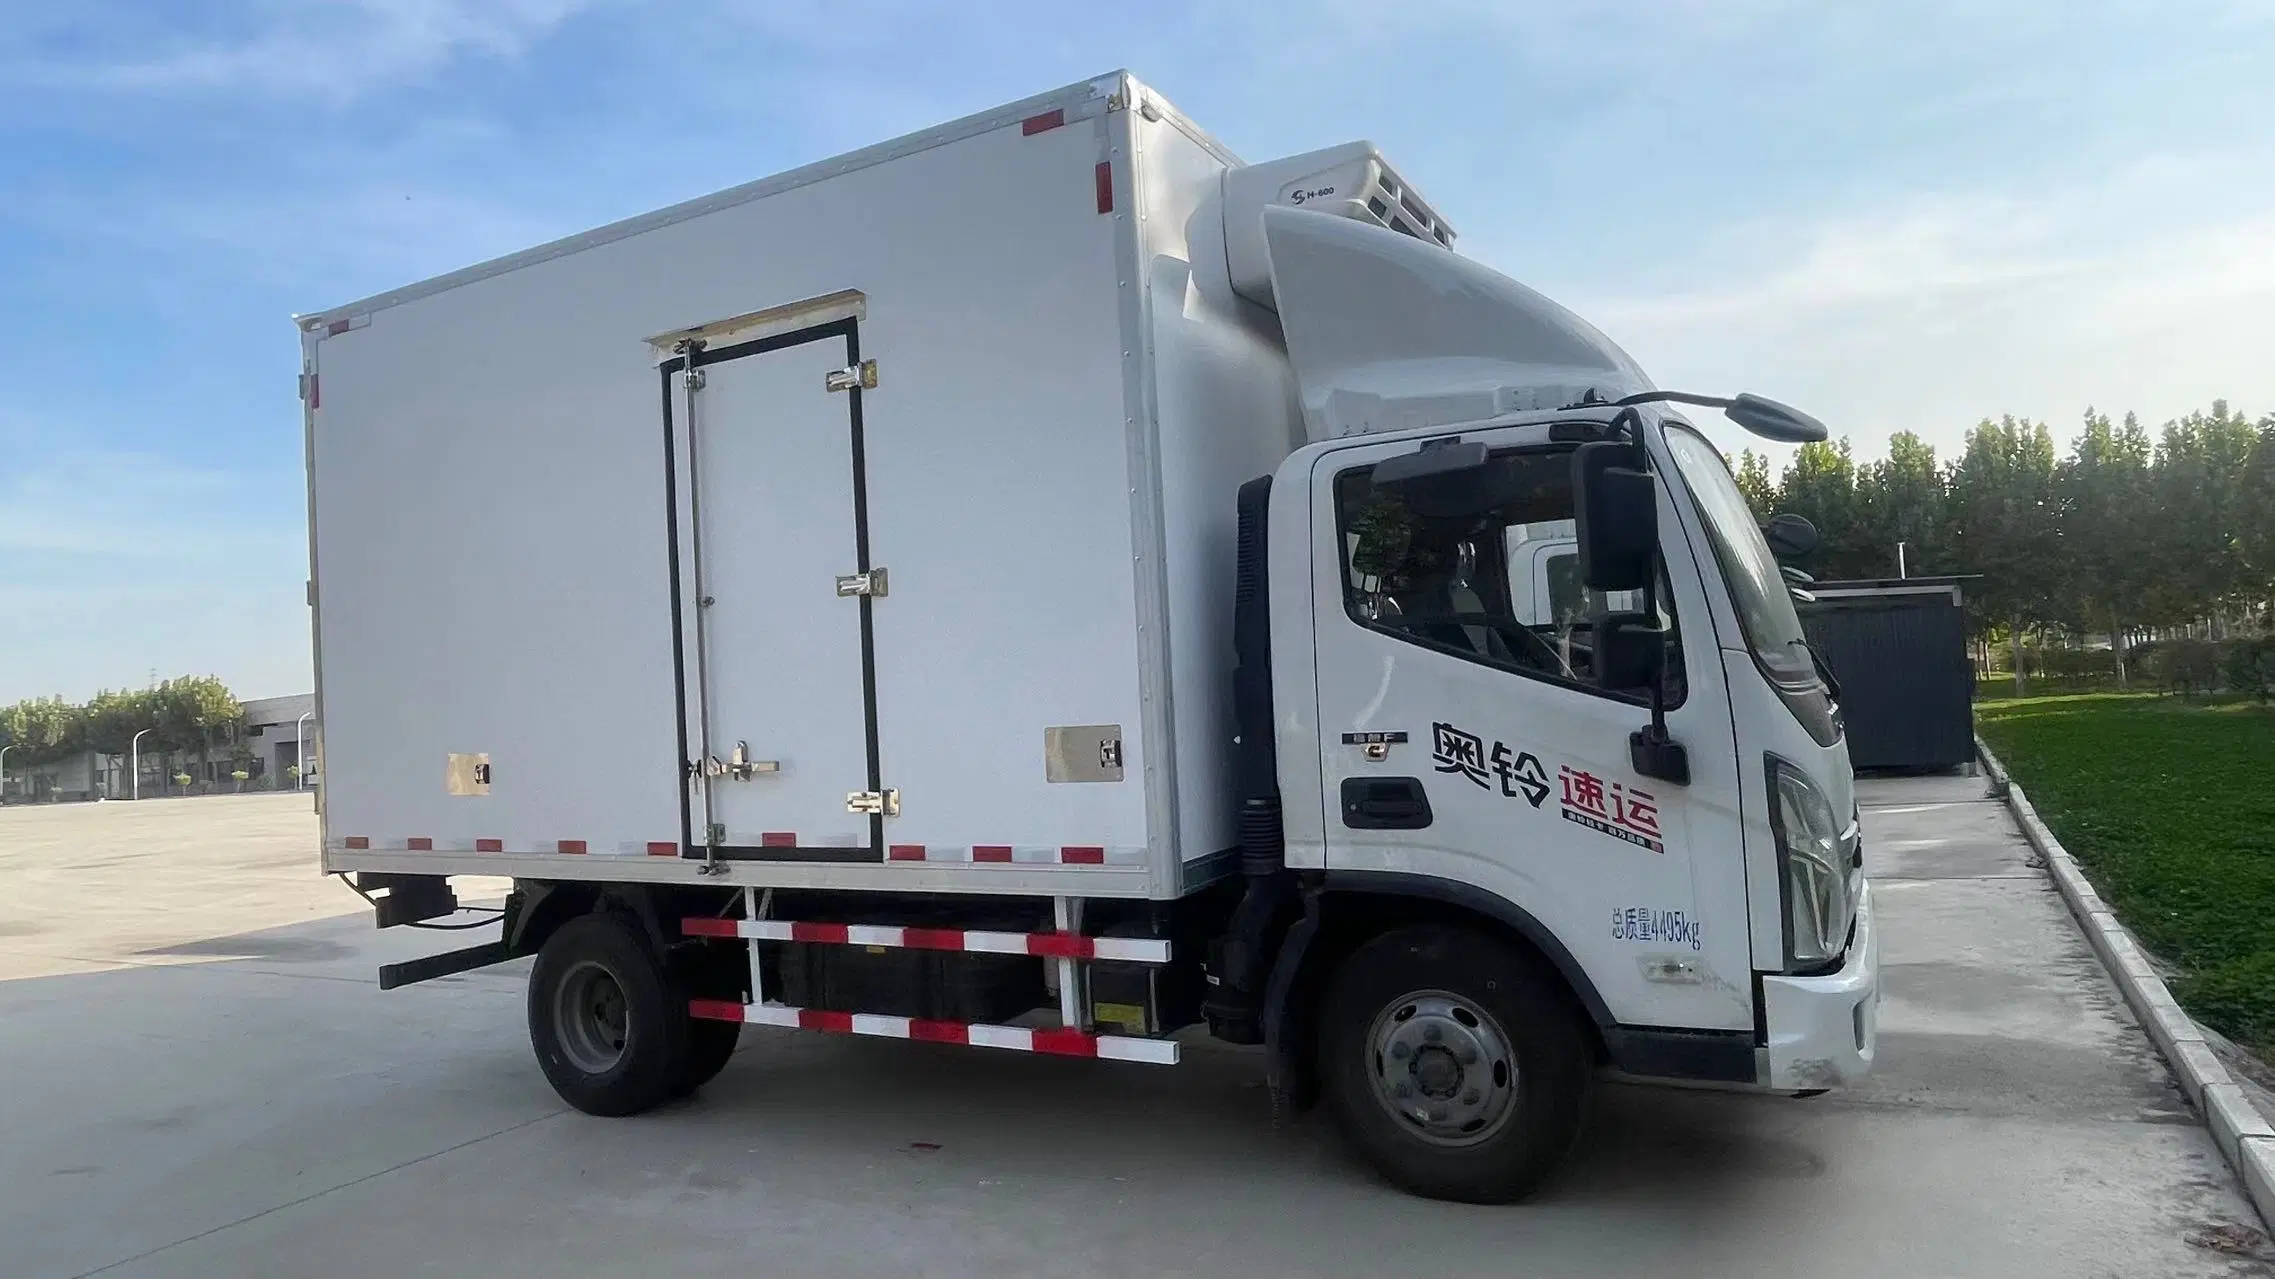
(197, 1077)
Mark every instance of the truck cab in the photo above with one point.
(1539, 693)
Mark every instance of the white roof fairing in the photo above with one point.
(1387, 332)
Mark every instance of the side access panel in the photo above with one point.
(783, 707)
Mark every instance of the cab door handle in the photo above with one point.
(1385, 803)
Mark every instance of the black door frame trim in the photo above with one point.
(848, 329)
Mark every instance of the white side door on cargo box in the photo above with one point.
(781, 730)
(1461, 745)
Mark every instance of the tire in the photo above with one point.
(709, 1046)
(610, 1031)
(1454, 1064)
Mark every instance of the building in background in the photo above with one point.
(271, 724)
(270, 740)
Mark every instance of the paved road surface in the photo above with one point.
(198, 1078)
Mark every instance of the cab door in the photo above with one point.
(1460, 745)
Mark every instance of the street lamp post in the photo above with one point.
(134, 753)
(1900, 561)
(4, 769)
(300, 751)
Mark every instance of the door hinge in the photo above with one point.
(715, 834)
(869, 583)
(862, 376)
(886, 802)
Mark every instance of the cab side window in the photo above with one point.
(1500, 587)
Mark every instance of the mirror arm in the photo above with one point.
(1651, 750)
(1630, 422)
(1676, 397)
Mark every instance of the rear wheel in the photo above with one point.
(1454, 1064)
(610, 1032)
(710, 1044)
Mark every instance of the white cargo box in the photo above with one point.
(949, 538)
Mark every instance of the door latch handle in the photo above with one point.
(738, 766)
(742, 767)
(1385, 803)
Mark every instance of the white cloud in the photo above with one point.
(115, 564)
(333, 49)
(134, 512)
(2153, 290)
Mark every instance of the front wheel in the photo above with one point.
(609, 1029)
(1454, 1064)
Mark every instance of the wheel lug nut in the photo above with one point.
(1401, 1051)
(1433, 1033)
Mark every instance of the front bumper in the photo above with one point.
(1822, 1030)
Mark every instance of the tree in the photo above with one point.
(2002, 527)
(1820, 485)
(1901, 499)
(2255, 518)
(2200, 471)
(114, 718)
(1755, 485)
(195, 712)
(2107, 522)
(41, 729)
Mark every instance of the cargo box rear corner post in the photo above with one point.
(1044, 584)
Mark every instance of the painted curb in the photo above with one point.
(2243, 1135)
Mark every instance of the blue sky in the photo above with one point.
(1901, 216)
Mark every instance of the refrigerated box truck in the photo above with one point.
(1043, 584)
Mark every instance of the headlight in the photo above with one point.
(1817, 870)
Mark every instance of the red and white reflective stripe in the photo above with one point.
(1015, 855)
(1065, 1043)
(930, 854)
(1136, 950)
(487, 844)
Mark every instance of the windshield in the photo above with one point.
(1764, 604)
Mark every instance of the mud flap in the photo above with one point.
(1289, 1072)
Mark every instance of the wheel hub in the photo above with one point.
(1444, 1067)
(590, 1014)
(1435, 1072)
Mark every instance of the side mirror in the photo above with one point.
(1790, 536)
(1616, 517)
(1774, 421)
(1629, 651)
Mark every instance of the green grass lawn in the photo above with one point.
(2170, 807)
